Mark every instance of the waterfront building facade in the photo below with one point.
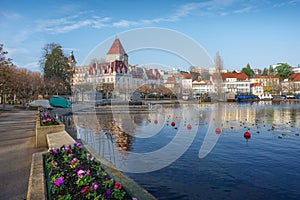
(271, 83)
(291, 85)
(237, 83)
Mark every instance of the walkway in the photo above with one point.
(17, 144)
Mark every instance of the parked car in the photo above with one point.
(40, 103)
(59, 102)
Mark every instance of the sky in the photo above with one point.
(258, 32)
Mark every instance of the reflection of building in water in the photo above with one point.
(239, 113)
(248, 114)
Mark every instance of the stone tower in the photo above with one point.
(117, 52)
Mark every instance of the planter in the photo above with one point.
(37, 187)
(42, 131)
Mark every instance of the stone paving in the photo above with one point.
(17, 144)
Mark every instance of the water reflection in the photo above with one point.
(115, 134)
(267, 163)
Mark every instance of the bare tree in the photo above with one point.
(218, 82)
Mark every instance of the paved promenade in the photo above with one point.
(17, 144)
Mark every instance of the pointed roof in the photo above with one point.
(72, 57)
(116, 48)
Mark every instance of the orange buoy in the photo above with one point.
(173, 124)
(189, 126)
(218, 130)
(247, 135)
(155, 121)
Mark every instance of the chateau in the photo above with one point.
(115, 75)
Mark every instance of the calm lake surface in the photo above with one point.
(266, 166)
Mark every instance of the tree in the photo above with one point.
(217, 77)
(6, 68)
(248, 71)
(218, 63)
(57, 71)
(265, 71)
(271, 70)
(284, 70)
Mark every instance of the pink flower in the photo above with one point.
(118, 185)
(85, 190)
(87, 172)
(74, 160)
(54, 164)
(80, 173)
(95, 186)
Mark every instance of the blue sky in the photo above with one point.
(259, 32)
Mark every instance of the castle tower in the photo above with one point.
(117, 52)
(71, 59)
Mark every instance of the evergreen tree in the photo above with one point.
(248, 71)
(57, 71)
(271, 70)
(265, 71)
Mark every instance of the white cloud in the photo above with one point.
(244, 10)
(10, 15)
(89, 19)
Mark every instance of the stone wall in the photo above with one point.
(42, 131)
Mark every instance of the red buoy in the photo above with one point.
(218, 130)
(155, 121)
(173, 124)
(247, 135)
(189, 126)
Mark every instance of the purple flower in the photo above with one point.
(77, 168)
(80, 173)
(95, 186)
(87, 172)
(133, 198)
(77, 144)
(58, 182)
(107, 194)
(88, 155)
(74, 160)
(54, 152)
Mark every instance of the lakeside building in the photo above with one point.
(115, 74)
(271, 83)
(257, 89)
(201, 87)
(291, 85)
(235, 83)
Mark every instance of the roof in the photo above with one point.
(170, 80)
(116, 48)
(238, 76)
(294, 77)
(265, 76)
(256, 84)
(185, 76)
(205, 82)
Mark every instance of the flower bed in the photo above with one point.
(47, 118)
(46, 124)
(72, 173)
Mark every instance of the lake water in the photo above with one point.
(174, 162)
